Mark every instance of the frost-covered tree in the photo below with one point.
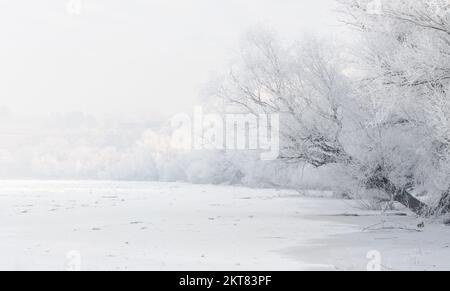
(302, 82)
(389, 123)
(404, 72)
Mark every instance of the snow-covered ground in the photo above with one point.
(49, 225)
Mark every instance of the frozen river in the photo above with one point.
(173, 226)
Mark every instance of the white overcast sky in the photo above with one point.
(130, 56)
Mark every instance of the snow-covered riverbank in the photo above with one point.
(171, 226)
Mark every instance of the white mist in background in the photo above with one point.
(89, 86)
(81, 146)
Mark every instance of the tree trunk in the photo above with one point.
(408, 200)
(399, 195)
(443, 206)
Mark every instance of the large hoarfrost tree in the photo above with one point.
(404, 66)
(323, 122)
(389, 121)
(303, 83)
